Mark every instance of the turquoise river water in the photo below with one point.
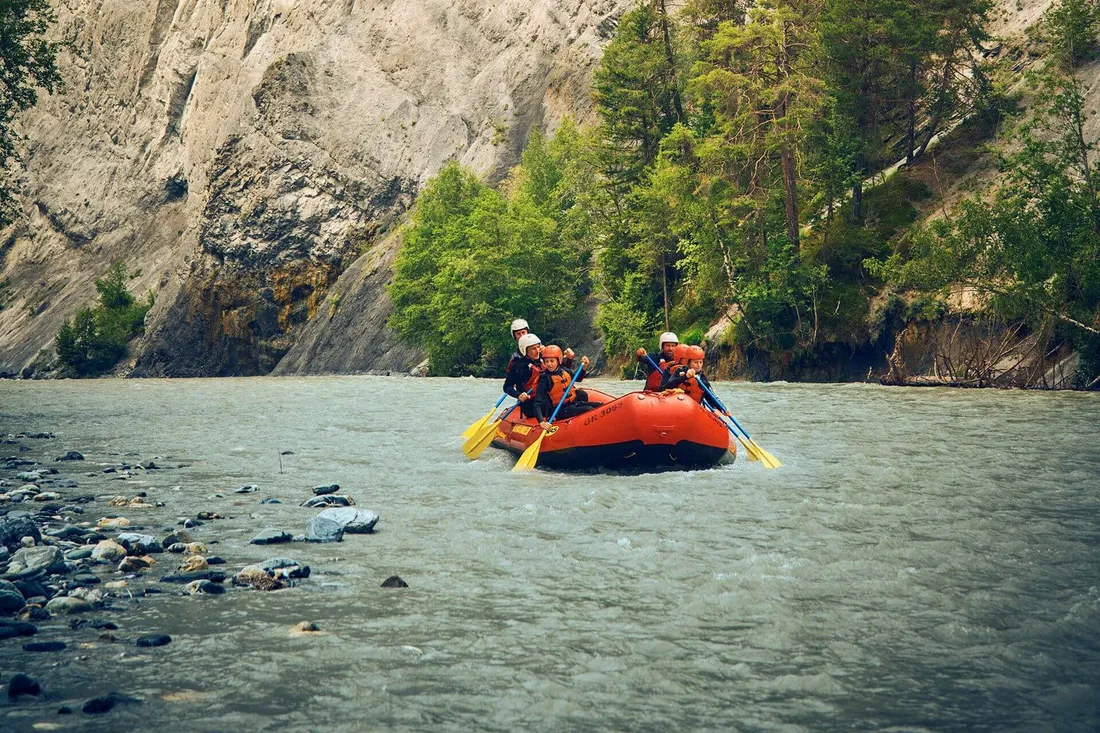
(926, 559)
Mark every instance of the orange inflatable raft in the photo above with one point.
(640, 430)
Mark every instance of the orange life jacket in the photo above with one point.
(693, 389)
(558, 381)
(653, 381)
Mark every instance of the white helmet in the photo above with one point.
(526, 340)
(668, 337)
(518, 324)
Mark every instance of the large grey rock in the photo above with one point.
(15, 527)
(331, 524)
(30, 562)
(139, 544)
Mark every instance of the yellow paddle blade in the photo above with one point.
(479, 442)
(530, 456)
(478, 424)
(750, 450)
(769, 460)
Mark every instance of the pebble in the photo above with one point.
(394, 581)
(135, 564)
(154, 640)
(21, 684)
(81, 553)
(113, 523)
(139, 544)
(44, 646)
(195, 562)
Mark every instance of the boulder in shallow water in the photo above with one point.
(193, 563)
(14, 528)
(354, 521)
(329, 500)
(203, 587)
(284, 567)
(101, 705)
(12, 629)
(135, 564)
(31, 562)
(139, 544)
(394, 581)
(108, 551)
(271, 536)
(113, 523)
(63, 605)
(71, 456)
(44, 646)
(21, 684)
(254, 576)
(183, 578)
(324, 528)
(246, 489)
(11, 599)
(318, 490)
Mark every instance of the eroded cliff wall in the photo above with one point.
(244, 155)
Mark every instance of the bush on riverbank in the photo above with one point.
(95, 340)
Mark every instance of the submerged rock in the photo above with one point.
(213, 575)
(44, 646)
(203, 587)
(12, 629)
(71, 456)
(154, 640)
(21, 684)
(394, 581)
(101, 705)
(271, 536)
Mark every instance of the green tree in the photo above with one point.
(27, 63)
(1071, 27)
(95, 340)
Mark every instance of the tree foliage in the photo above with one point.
(95, 340)
(28, 62)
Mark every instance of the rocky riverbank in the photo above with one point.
(83, 539)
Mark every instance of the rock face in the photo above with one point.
(250, 157)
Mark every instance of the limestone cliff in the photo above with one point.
(245, 154)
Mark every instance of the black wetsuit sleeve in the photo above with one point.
(515, 379)
(542, 405)
(673, 377)
(567, 363)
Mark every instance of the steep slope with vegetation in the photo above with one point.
(744, 185)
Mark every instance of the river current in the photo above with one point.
(926, 559)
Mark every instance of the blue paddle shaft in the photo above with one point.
(500, 401)
(566, 395)
(723, 408)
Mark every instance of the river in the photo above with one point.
(926, 559)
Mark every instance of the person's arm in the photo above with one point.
(702, 379)
(673, 377)
(647, 364)
(513, 385)
(542, 398)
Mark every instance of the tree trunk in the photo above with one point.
(664, 287)
(677, 104)
(911, 138)
(857, 198)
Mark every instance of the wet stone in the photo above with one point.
(67, 604)
(15, 526)
(30, 562)
(108, 551)
(213, 575)
(246, 489)
(139, 544)
(71, 456)
(325, 489)
(21, 684)
(12, 629)
(203, 587)
(154, 640)
(270, 500)
(101, 705)
(394, 581)
(11, 598)
(44, 646)
(271, 536)
(329, 500)
(215, 560)
(86, 579)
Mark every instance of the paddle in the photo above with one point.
(530, 456)
(484, 437)
(755, 452)
(480, 423)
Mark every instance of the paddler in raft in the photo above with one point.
(523, 372)
(664, 359)
(687, 374)
(553, 380)
(521, 329)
